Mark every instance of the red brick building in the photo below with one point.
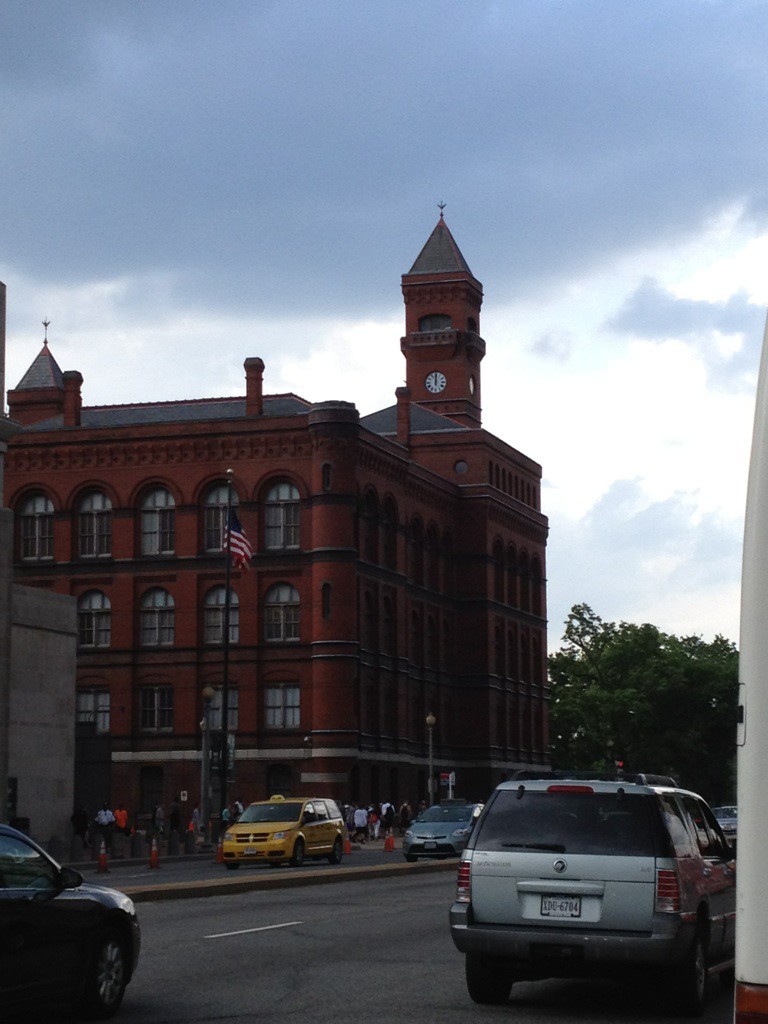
(399, 569)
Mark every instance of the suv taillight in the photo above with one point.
(462, 883)
(667, 892)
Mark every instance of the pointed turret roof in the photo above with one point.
(440, 255)
(44, 372)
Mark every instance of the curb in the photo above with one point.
(262, 881)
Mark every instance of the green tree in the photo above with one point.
(658, 702)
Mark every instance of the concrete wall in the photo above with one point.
(41, 743)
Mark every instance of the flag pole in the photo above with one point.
(225, 650)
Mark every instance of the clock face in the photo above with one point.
(435, 382)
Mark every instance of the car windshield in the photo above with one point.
(725, 812)
(606, 823)
(438, 813)
(282, 811)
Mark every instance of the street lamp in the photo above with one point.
(431, 720)
(205, 765)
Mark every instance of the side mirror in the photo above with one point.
(70, 879)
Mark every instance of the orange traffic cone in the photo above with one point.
(389, 842)
(102, 865)
(220, 851)
(347, 844)
(154, 854)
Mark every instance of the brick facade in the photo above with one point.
(399, 569)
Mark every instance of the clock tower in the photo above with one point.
(442, 344)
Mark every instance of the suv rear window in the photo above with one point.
(605, 823)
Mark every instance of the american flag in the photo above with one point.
(236, 542)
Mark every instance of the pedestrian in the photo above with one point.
(174, 820)
(158, 820)
(196, 822)
(121, 820)
(349, 818)
(105, 822)
(388, 816)
(374, 820)
(406, 815)
(79, 821)
(238, 807)
(360, 819)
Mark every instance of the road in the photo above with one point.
(373, 950)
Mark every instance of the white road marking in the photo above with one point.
(248, 931)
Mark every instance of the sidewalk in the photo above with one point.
(366, 860)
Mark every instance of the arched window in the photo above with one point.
(512, 668)
(327, 476)
(511, 577)
(447, 555)
(417, 553)
(94, 526)
(389, 530)
(389, 625)
(157, 522)
(417, 639)
(498, 570)
(281, 517)
(525, 662)
(433, 559)
(282, 612)
(282, 706)
(213, 616)
(370, 526)
(498, 648)
(370, 638)
(525, 582)
(537, 586)
(215, 516)
(433, 643)
(536, 659)
(157, 618)
(36, 525)
(435, 322)
(94, 620)
(325, 600)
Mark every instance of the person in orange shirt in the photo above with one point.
(121, 819)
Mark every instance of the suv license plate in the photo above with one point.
(561, 906)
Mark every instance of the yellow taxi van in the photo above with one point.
(282, 829)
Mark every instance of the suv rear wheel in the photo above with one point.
(489, 979)
(688, 985)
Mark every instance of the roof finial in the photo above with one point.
(46, 324)
(441, 207)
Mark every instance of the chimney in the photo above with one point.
(403, 396)
(73, 399)
(254, 392)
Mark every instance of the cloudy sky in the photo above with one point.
(185, 184)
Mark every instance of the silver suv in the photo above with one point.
(567, 877)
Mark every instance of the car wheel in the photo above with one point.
(106, 978)
(411, 858)
(689, 982)
(231, 865)
(297, 857)
(489, 979)
(337, 851)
